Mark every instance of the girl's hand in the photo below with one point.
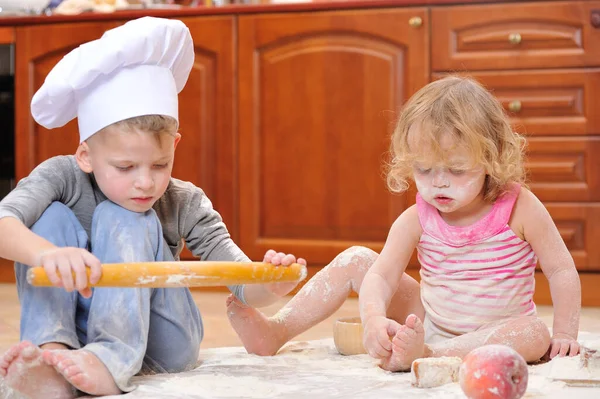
(281, 259)
(377, 336)
(562, 345)
(61, 263)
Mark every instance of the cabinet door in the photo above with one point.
(515, 36)
(38, 49)
(546, 102)
(579, 228)
(318, 98)
(206, 154)
(556, 110)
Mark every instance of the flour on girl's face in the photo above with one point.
(455, 176)
(463, 188)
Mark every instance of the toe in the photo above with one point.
(402, 337)
(30, 352)
(50, 357)
(411, 320)
(10, 355)
(418, 326)
(69, 369)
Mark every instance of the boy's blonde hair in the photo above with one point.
(156, 124)
(473, 118)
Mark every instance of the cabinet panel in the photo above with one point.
(38, 49)
(206, 154)
(318, 97)
(514, 36)
(564, 168)
(578, 226)
(547, 102)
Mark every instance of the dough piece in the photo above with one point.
(590, 356)
(435, 371)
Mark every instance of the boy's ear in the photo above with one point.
(83, 157)
(177, 139)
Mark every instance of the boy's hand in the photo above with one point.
(279, 258)
(66, 261)
(562, 345)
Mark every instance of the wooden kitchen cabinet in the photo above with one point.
(579, 228)
(318, 97)
(286, 115)
(515, 36)
(38, 48)
(541, 60)
(205, 155)
(547, 102)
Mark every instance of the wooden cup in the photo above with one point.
(348, 335)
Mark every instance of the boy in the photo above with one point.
(113, 201)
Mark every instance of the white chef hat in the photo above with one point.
(133, 70)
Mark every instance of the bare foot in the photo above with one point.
(83, 370)
(260, 335)
(407, 345)
(9, 356)
(29, 375)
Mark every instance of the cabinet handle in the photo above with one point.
(514, 106)
(514, 38)
(415, 22)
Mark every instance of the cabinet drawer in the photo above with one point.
(578, 226)
(504, 36)
(564, 168)
(547, 102)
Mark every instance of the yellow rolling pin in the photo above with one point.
(184, 274)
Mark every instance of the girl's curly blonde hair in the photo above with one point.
(473, 117)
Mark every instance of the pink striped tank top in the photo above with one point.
(477, 274)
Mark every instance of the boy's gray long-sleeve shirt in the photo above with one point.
(184, 211)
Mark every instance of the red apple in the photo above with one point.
(493, 372)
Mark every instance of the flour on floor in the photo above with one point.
(315, 369)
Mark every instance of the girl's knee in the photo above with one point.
(352, 264)
(527, 335)
(356, 256)
(541, 331)
(536, 340)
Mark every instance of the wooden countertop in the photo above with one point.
(262, 6)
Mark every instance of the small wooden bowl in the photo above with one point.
(348, 336)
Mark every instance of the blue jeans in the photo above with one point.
(128, 329)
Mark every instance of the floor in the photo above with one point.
(225, 363)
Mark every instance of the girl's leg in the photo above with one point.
(317, 300)
(527, 335)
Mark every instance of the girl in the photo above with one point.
(479, 234)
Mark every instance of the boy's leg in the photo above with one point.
(47, 314)
(317, 300)
(175, 330)
(115, 320)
